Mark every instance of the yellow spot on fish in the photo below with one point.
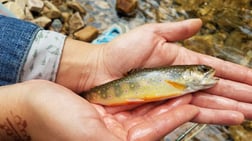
(176, 85)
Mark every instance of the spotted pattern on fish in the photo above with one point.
(153, 84)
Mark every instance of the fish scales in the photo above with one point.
(153, 84)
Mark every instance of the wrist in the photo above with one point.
(13, 114)
(78, 65)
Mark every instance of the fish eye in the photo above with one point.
(203, 68)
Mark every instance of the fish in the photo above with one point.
(153, 84)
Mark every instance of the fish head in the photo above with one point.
(199, 77)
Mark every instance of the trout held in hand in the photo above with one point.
(153, 84)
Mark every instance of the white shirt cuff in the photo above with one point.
(44, 56)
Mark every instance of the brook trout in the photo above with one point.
(153, 84)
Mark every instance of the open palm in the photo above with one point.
(152, 45)
(56, 113)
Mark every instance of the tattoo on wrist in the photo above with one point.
(15, 127)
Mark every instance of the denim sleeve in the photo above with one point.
(16, 37)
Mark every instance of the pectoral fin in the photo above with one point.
(176, 85)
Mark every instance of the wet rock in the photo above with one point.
(42, 21)
(76, 6)
(87, 34)
(15, 9)
(126, 7)
(75, 22)
(35, 5)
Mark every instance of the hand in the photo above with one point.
(152, 45)
(41, 110)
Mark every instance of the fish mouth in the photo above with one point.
(209, 79)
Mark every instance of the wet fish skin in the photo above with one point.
(153, 84)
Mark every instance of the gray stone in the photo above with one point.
(56, 25)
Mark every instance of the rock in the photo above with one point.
(126, 7)
(28, 14)
(42, 21)
(75, 22)
(76, 6)
(4, 1)
(86, 34)
(35, 5)
(58, 2)
(239, 133)
(65, 28)
(66, 16)
(15, 9)
(21, 3)
(64, 8)
(51, 11)
(56, 25)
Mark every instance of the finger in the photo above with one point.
(177, 30)
(116, 109)
(158, 108)
(130, 119)
(221, 117)
(154, 128)
(228, 70)
(169, 105)
(125, 117)
(216, 102)
(234, 90)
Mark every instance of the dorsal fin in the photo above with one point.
(132, 71)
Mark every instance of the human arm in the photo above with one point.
(40, 110)
(15, 41)
(27, 51)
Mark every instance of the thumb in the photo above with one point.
(174, 31)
